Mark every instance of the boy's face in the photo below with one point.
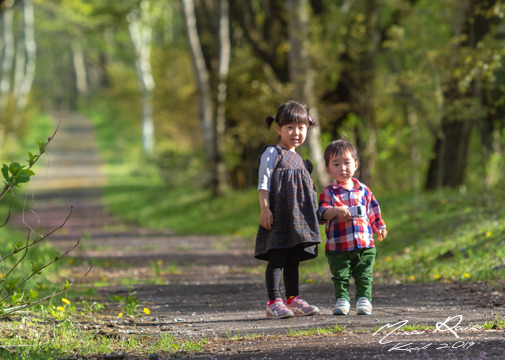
(342, 167)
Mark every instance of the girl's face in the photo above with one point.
(342, 167)
(292, 135)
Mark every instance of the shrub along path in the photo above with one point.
(210, 286)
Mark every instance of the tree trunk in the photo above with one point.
(27, 60)
(204, 93)
(141, 34)
(224, 67)
(6, 19)
(81, 81)
(450, 154)
(302, 78)
(447, 168)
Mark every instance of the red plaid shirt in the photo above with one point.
(356, 233)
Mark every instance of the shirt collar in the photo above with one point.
(336, 185)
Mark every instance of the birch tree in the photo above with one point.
(26, 55)
(141, 26)
(6, 19)
(79, 67)
(224, 67)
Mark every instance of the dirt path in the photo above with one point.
(211, 287)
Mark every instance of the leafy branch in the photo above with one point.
(13, 297)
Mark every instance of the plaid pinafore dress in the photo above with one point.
(293, 202)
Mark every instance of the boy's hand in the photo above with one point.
(266, 218)
(382, 234)
(343, 213)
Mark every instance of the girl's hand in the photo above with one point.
(382, 234)
(266, 218)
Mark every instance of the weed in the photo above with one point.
(128, 303)
(497, 323)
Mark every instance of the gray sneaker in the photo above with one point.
(341, 307)
(300, 307)
(278, 310)
(364, 306)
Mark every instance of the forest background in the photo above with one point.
(179, 91)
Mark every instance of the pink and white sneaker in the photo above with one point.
(300, 307)
(278, 310)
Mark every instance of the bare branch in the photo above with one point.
(9, 211)
(21, 307)
(26, 251)
(42, 238)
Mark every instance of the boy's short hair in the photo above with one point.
(339, 147)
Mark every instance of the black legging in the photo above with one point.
(279, 259)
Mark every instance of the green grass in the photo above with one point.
(36, 341)
(313, 331)
(497, 324)
(184, 210)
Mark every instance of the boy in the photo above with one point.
(351, 215)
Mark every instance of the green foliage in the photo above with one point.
(15, 174)
(418, 55)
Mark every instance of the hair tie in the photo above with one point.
(310, 120)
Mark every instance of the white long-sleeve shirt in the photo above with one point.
(267, 166)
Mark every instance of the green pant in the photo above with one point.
(359, 264)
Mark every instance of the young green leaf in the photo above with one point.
(5, 172)
(15, 168)
(33, 294)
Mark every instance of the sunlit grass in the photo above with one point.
(337, 329)
(184, 210)
(36, 341)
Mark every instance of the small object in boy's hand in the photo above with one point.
(357, 211)
(379, 237)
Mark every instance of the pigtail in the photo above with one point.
(312, 122)
(269, 120)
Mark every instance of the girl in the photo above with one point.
(289, 228)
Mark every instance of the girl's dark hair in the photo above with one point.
(291, 112)
(339, 147)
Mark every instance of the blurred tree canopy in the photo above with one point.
(417, 85)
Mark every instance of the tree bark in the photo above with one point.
(224, 67)
(140, 27)
(6, 19)
(81, 80)
(27, 61)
